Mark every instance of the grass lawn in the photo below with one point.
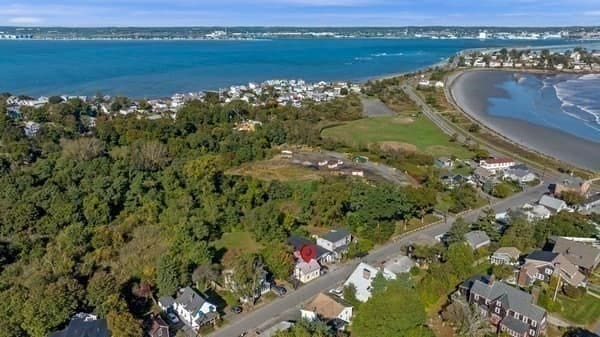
(585, 310)
(406, 132)
(234, 243)
(275, 170)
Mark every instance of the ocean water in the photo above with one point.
(161, 68)
(566, 102)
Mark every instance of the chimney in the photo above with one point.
(366, 274)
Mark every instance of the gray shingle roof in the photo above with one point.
(190, 300)
(298, 242)
(336, 235)
(514, 324)
(513, 298)
(541, 255)
(79, 326)
(166, 301)
(477, 238)
(580, 254)
(550, 202)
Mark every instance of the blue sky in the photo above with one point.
(298, 12)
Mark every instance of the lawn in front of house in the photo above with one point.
(415, 132)
(236, 243)
(585, 310)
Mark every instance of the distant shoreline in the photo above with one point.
(548, 141)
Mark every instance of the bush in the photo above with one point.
(573, 292)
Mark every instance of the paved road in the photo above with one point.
(284, 307)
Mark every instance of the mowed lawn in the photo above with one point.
(585, 310)
(417, 132)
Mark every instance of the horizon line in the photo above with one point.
(296, 26)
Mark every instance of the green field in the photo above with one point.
(581, 311)
(417, 132)
(236, 243)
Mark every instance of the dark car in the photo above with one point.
(236, 309)
(279, 290)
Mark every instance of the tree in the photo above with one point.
(48, 308)
(279, 259)
(349, 294)
(248, 270)
(123, 325)
(457, 231)
(503, 271)
(100, 287)
(502, 190)
(82, 148)
(461, 259)
(487, 223)
(464, 197)
(395, 312)
(572, 198)
(168, 274)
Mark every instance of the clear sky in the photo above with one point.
(299, 12)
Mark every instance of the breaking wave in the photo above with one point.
(580, 99)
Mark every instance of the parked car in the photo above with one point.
(279, 290)
(336, 291)
(236, 309)
(173, 318)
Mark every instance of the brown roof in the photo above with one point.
(158, 327)
(327, 305)
(498, 161)
(580, 254)
(513, 252)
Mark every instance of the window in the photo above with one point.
(533, 323)
(548, 271)
(487, 302)
(524, 319)
(497, 311)
(476, 297)
(498, 303)
(517, 315)
(532, 332)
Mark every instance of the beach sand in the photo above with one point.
(472, 98)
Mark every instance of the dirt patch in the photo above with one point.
(398, 146)
(276, 169)
(402, 120)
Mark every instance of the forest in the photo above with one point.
(104, 219)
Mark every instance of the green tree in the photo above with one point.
(349, 294)
(168, 275)
(395, 312)
(123, 325)
(457, 231)
(461, 259)
(279, 259)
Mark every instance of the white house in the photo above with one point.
(497, 164)
(519, 175)
(327, 307)
(307, 271)
(363, 276)
(535, 212)
(506, 255)
(336, 241)
(553, 204)
(193, 309)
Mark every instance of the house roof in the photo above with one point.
(190, 300)
(477, 238)
(468, 283)
(308, 267)
(542, 255)
(551, 202)
(517, 172)
(399, 264)
(512, 252)
(580, 254)
(363, 284)
(592, 199)
(166, 301)
(84, 325)
(298, 242)
(511, 297)
(483, 172)
(158, 324)
(514, 324)
(498, 161)
(336, 235)
(327, 306)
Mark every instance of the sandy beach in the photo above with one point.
(471, 96)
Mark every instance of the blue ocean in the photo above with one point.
(566, 102)
(161, 68)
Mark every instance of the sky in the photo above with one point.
(96, 13)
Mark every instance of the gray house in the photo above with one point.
(477, 239)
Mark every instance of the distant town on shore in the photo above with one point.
(255, 33)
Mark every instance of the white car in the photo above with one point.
(173, 318)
